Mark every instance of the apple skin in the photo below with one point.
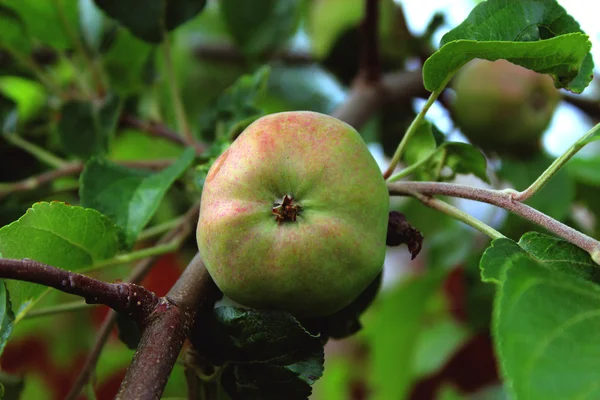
(503, 107)
(319, 263)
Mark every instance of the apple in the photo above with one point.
(503, 107)
(294, 215)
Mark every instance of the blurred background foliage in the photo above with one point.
(67, 65)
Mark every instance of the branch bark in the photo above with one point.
(370, 61)
(127, 298)
(139, 272)
(500, 198)
(163, 338)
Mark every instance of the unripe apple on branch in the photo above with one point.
(294, 215)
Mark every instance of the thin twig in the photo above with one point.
(73, 168)
(370, 61)
(139, 272)
(504, 199)
(41, 154)
(458, 214)
(225, 52)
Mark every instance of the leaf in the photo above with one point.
(560, 255)
(235, 109)
(125, 62)
(497, 257)
(266, 352)
(151, 19)
(393, 334)
(14, 33)
(421, 145)
(13, 386)
(7, 317)
(48, 21)
(29, 95)
(585, 170)
(463, 158)
(437, 344)
(85, 128)
(260, 25)
(60, 235)
(551, 252)
(535, 34)
(127, 196)
(545, 331)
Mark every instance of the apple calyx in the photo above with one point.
(286, 209)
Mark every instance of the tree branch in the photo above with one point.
(157, 129)
(365, 100)
(74, 168)
(502, 199)
(370, 61)
(126, 298)
(163, 338)
(224, 52)
(140, 271)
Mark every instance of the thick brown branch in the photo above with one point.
(370, 62)
(126, 298)
(139, 272)
(164, 336)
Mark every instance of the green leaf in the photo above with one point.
(129, 197)
(7, 317)
(260, 25)
(60, 235)
(421, 145)
(545, 331)
(393, 332)
(13, 386)
(14, 33)
(85, 128)
(559, 255)
(46, 20)
(29, 95)
(151, 19)
(266, 352)
(497, 257)
(551, 252)
(125, 61)
(235, 109)
(535, 34)
(437, 344)
(585, 170)
(463, 158)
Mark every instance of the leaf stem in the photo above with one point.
(43, 155)
(160, 228)
(411, 131)
(136, 255)
(503, 199)
(175, 93)
(458, 214)
(59, 309)
(554, 167)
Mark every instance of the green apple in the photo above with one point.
(294, 215)
(502, 107)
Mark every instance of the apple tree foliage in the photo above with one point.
(112, 112)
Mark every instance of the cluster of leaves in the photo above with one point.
(66, 90)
